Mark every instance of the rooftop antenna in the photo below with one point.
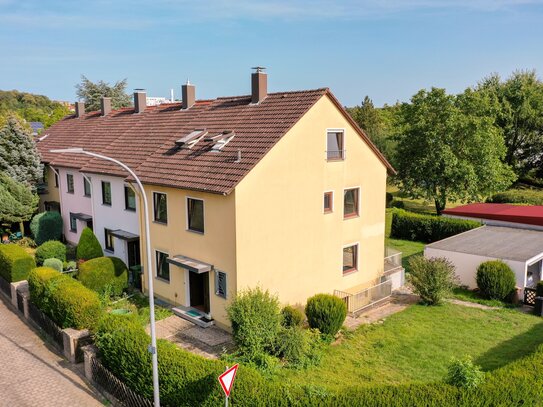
(259, 68)
(188, 82)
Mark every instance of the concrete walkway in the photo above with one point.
(31, 374)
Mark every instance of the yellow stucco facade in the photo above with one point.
(272, 230)
(53, 194)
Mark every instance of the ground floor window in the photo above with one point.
(350, 259)
(73, 223)
(109, 240)
(162, 266)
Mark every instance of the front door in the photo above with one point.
(134, 253)
(90, 224)
(199, 291)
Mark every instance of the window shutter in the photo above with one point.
(220, 284)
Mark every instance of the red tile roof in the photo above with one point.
(146, 141)
(530, 215)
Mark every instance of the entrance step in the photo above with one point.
(194, 316)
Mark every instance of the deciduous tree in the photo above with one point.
(91, 92)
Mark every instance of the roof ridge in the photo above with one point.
(323, 90)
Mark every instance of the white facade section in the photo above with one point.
(466, 265)
(75, 202)
(114, 216)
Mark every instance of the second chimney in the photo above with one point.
(140, 101)
(188, 94)
(259, 85)
(105, 104)
(79, 109)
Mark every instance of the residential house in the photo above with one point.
(278, 190)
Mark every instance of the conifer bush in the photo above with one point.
(46, 226)
(326, 313)
(292, 316)
(88, 247)
(104, 274)
(495, 280)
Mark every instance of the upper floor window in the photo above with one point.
(160, 207)
(162, 266)
(109, 240)
(335, 145)
(129, 198)
(86, 187)
(70, 183)
(56, 180)
(195, 214)
(350, 203)
(350, 259)
(106, 193)
(328, 202)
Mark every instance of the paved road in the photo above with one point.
(31, 374)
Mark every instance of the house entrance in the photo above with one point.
(533, 274)
(199, 291)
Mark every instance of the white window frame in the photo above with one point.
(359, 202)
(187, 214)
(333, 206)
(153, 207)
(344, 149)
(68, 184)
(157, 277)
(357, 266)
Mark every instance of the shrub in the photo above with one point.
(65, 300)
(15, 263)
(292, 316)
(88, 247)
(326, 313)
(495, 280)
(432, 279)
(104, 274)
(70, 265)
(256, 320)
(463, 373)
(46, 226)
(300, 348)
(26, 242)
(426, 228)
(51, 249)
(54, 264)
(397, 203)
(518, 196)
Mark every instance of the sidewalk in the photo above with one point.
(31, 374)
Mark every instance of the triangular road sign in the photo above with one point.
(227, 379)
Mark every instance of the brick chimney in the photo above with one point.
(105, 104)
(140, 100)
(188, 94)
(79, 109)
(259, 85)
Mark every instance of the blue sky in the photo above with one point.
(387, 49)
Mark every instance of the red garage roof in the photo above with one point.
(531, 215)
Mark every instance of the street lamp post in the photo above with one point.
(152, 348)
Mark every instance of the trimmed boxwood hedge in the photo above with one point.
(187, 379)
(426, 228)
(52, 249)
(15, 263)
(88, 246)
(65, 300)
(518, 196)
(46, 226)
(104, 273)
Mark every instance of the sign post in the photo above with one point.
(227, 381)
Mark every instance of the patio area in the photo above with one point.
(207, 342)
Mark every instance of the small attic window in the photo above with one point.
(191, 139)
(221, 139)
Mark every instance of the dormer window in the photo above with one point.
(335, 148)
(221, 140)
(191, 139)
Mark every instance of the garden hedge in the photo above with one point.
(88, 247)
(52, 249)
(187, 379)
(104, 273)
(518, 196)
(426, 228)
(15, 263)
(46, 226)
(65, 300)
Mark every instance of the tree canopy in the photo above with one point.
(19, 157)
(91, 92)
(447, 151)
(17, 202)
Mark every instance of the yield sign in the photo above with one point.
(227, 379)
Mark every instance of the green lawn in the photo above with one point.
(472, 296)
(418, 343)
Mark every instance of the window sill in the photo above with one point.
(110, 251)
(197, 232)
(349, 272)
(106, 204)
(86, 196)
(163, 280)
(334, 159)
(130, 210)
(160, 223)
(68, 192)
(327, 212)
(353, 216)
(73, 230)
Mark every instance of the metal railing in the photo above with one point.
(48, 326)
(393, 260)
(116, 388)
(366, 298)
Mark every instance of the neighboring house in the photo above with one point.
(278, 190)
(48, 190)
(519, 216)
(521, 249)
